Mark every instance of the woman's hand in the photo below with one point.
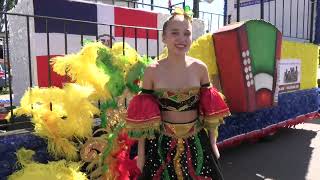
(215, 150)
(213, 141)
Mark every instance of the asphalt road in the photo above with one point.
(291, 154)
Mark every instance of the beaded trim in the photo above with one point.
(185, 130)
(145, 129)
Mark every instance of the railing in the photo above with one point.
(294, 18)
(64, 23)
(213, 21)
(137, 4)
(209, 19)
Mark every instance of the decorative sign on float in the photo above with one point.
(247, 56)
(289, 75)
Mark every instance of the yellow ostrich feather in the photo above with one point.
(80, 110)
(39, 98)
(62, 147)
(164, 53)
(124, 62)
(24, 156)
(131, 53)
(71, 116)
(208, 56)
(59, 170)
(82, 69)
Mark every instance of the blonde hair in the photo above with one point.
(165, 25)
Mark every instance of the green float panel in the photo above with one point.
(262, 44)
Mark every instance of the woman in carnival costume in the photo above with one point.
(177, 114)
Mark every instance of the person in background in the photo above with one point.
(106, 39)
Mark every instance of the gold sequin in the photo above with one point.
(177, 159)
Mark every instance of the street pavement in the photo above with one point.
(291, 154)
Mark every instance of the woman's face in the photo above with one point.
(178, 35)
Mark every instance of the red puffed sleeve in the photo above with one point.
(212, 107)
(143, 116)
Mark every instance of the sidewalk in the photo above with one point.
(292, 154)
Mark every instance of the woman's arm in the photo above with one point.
(213, 140)
(204, 79)
(147, 82)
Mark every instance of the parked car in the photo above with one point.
(3, 77)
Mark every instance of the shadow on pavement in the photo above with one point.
(285, 156)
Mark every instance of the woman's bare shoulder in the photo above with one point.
(152, 68)
(157, 65)
(197, 63)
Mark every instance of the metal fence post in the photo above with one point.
(311, 20)
(261, 9)
(152, 3)
(8, 61)
(238, 11)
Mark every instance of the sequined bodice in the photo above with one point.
(178, 99)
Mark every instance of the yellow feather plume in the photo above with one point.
(124, 61)
(117, 50)
(164, 54)
(24, 156)
(59, 170)
(82, 69)
(62, 146)
(208, 56)
(71, 116)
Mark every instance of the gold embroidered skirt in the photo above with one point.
(180, 151)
